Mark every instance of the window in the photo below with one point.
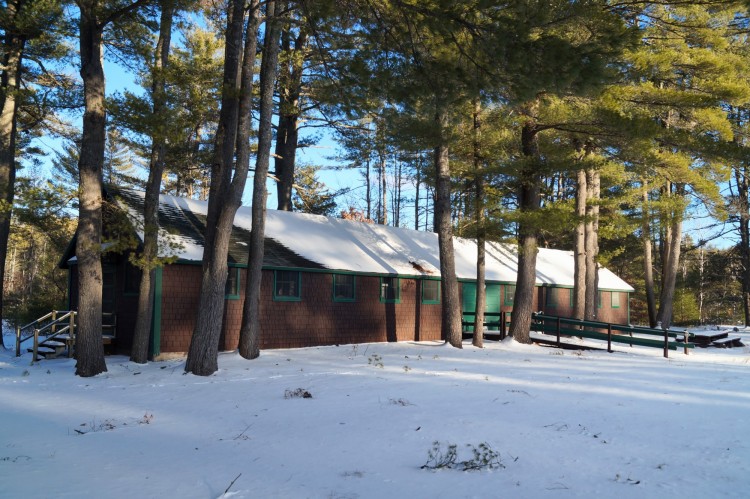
(510, 293)
(390, 290)
(286, 285)
(615, 299)
(132, 280)
(551, 297)
(232, 288)
(598, 299)
(431, 292)
(344, 287)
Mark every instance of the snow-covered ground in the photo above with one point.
(561, 423)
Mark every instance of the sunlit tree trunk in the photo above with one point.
(250, 331)
(139, 349)
(12, 55)
(223, 203)
(528, 201)
(451, 304)
(648, 259)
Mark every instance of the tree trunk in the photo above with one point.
(592, 244)
(648, 260)
(287, 135)
(743, 194)
(478, 337)
(672, 261)
(579, 251)
(202, 356)
(89, 346)
(139, 349)
(528, 202)
(451, 304)
(250, 331)
(12, 51)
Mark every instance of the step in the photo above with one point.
(730, 342)
(53, 344)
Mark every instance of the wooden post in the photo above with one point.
(685, 340)
(36, 345)
(666, 344)
(558, 332)
(71, 332)
(18, 341)
(54, 320)
(609, 338)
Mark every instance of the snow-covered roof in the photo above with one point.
(314, 241)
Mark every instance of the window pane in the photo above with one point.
(510, 293)
(389, 288)
(431, 291)
(343, 287)
(615, 299)
(232, 287)
(287, 284)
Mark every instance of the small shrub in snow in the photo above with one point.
(298, 393)
(401, 402)
(375, 360)
(482, 457)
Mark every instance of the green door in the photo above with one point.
(492, 303)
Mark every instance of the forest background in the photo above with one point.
(614, 129)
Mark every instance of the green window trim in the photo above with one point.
(510, 293)
(386, 285)
(615, 299)
(287, 285)
(343, 283)
(599, 303)
(232, 287)
(433, 293)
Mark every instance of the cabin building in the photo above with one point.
(325, 280)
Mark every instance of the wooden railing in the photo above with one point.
(500, 320)
(52, 325)
(669, 339)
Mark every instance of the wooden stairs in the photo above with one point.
(54, 334)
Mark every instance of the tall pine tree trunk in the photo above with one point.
(579, 251)
(671, 263)
(528, 202)
(12, 52)
(648, 259)
(139, 349)
(481, 295)
(250, 331)
(89, 346)
(592, 243)
(223, 201)
(287, 134)
(743, 194)
(451, 304)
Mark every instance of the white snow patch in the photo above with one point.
(564, 424)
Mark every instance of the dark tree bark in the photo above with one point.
(591, 228)
(648, 260)
(224, 197)
(287, 134)
(139, 349)
(89, 347)
(13, 46)
(528, 201)
(579, 251)
(743, 196)
(481, 296)
(451, 304)
(671, 262)
(250, 331)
